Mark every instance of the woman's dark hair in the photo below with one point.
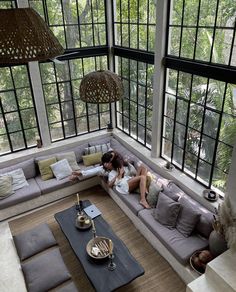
(115, 158)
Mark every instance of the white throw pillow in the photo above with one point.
(18, 179)
(61, 169)
(98, 148)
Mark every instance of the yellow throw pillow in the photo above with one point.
(45, 169)
(5, 186)
(91, 159)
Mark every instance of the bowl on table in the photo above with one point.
(99, 247)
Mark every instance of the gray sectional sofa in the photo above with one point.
(170, 243)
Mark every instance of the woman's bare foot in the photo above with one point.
(144, 203)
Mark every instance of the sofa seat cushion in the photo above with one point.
(180, 246)
(131, 200)
(24, 194)
(27, 166)
(51, 185)
(33, 241)
(45, 271)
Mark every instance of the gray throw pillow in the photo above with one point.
(171, 194)
(166, 211)
(188, 217)
(45, 271)
(33, 241)
(153, 192)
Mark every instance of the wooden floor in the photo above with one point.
(159, 276)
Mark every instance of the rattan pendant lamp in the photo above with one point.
(101, 86)
(26, 37)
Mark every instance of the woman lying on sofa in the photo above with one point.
(120, 175)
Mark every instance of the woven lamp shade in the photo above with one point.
(101, 87)
(26, 37)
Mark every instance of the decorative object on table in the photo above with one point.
(83, 221)
(79, 204)
(93, 228)
(26, 37)
(102, 86)
(224, 233)
(210, 195)
(199, 260)
(111, 266)
(98, 248)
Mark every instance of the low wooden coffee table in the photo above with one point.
(127, 268)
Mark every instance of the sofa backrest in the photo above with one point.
(28, 166)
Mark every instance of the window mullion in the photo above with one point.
(159, 74)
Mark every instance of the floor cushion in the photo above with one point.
(34, 241)
(45, 271)
(68, 287)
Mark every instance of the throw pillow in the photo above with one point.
(153, 192)
(131, 170)
(188, 217)
(5, 186)
(45, 169)
(61, 169)
(166, 211)
(92, 158)
(18, 179)
(70, 156)
(33, 241)
(97, 148)
(171, 194)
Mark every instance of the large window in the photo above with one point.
(7, 4)
(18, 122)
(134, 38)
(203, 30)
(134, 23)
(68, 116)
(199, 126)
(134, 111)
(75, 23)
(199, 122)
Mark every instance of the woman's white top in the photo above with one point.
(121, 185)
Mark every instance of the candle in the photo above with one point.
(77, 198)
(110, 246)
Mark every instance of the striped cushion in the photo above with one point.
(98, 148)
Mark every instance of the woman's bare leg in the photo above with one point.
(142, 170)
(139, 181)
